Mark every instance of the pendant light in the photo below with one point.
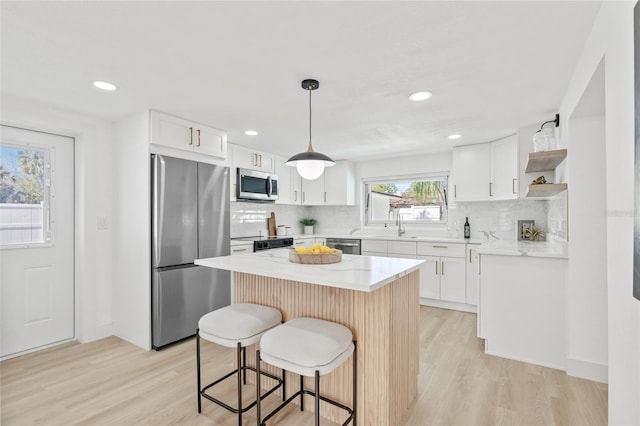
(310, 164)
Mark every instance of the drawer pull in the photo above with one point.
(440, 246)
(237, 250)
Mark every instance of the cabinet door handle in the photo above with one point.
(190, 135)
(295, 195)
(259, 160)
(455, 191)
(254, 160)
(325, 197)
(303, 196)
(490, 189)
(198, 138)
(513, 186)
(470, 256)
(238, 250)
(443, 267)
(440, 246)
(437, 267)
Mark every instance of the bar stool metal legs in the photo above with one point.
(316, 394)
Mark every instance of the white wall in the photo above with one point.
(132, 241)
(587, 271)
(611, 40)
(93, 188)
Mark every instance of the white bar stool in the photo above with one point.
(239, 326)
(308, 347)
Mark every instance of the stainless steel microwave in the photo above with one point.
(256, 185)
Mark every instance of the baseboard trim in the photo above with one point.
(521, 359)
(449, 305)
(588, 370)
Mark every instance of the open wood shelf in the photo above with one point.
(545, 160)
(546, 189)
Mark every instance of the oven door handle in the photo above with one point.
(346, 244)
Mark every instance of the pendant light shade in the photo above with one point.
(310, 164)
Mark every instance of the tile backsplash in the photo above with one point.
(497, 219)
(250, 219)
(557, 216)
(488, 219)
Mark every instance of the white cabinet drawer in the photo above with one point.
(401, 247)
(378, 246)
(241, 248)
(441, 249)
(373, 253)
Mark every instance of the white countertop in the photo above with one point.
(392, 237)
(555, 249)
(362, 273)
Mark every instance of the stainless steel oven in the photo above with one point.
(347, 245)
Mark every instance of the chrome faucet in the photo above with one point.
(399, 225)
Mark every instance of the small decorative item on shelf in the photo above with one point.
(538, 181)
(534, 234)
(317, 254)
(308, 225)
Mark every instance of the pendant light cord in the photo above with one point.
(310, 148)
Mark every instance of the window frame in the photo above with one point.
(366, 185)
(48, 198)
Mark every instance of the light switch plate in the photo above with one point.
(103, 223)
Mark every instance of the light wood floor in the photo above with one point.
(111, 382)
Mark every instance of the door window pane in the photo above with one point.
(24, 195)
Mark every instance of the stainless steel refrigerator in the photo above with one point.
(189, 220)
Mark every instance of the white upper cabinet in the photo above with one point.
(486, 171)
(246, 158)
(177, 133)
(340, 184)
(288, 183)
(312, 191)
(505, 168)
(471, 172)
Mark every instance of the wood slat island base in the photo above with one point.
(385, 324)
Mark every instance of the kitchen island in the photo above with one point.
(376, 297)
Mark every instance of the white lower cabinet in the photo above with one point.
(443, 278)
(522, 311)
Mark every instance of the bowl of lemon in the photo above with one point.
(317, 254)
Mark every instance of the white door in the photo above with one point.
(36, 239)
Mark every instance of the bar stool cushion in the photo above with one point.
(242, 323)
(304, 345)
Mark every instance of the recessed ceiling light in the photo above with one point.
(420, 96)
(455, 136)
(251, 133)
(105, 85)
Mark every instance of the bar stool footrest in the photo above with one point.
(313, 394)
(232, 373)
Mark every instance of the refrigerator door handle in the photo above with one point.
(158, 196)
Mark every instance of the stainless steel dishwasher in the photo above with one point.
(347, 245)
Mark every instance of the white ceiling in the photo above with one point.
(492, 67)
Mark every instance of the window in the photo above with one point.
(416, 200)
(24, 195)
